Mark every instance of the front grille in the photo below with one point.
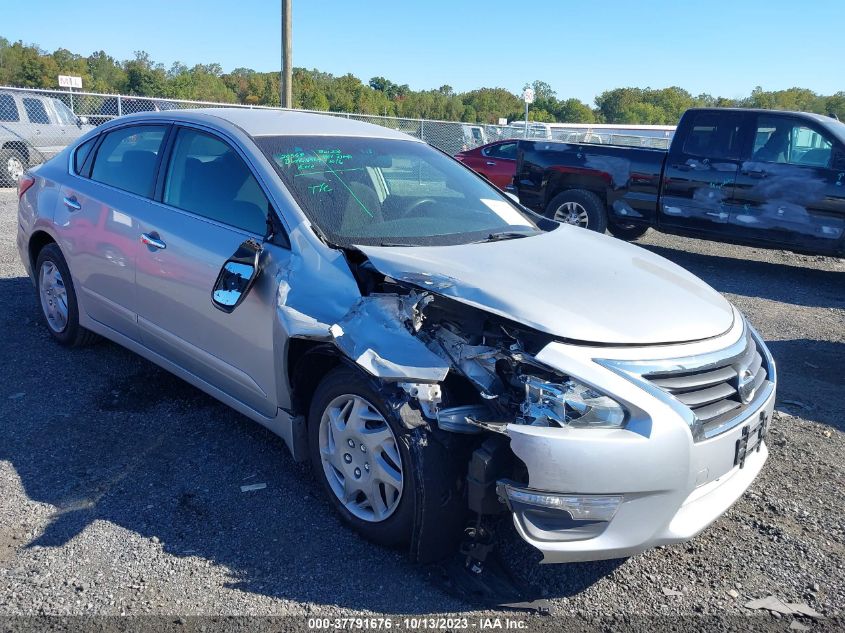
(712, 393)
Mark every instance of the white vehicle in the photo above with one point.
(517, 129)
(406, 327)
(33, 128)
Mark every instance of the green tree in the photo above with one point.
(143, 77)
(574, 111)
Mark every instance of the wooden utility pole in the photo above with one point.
(286, 80)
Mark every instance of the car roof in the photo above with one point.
(271, 122)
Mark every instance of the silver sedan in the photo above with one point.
(438, 353)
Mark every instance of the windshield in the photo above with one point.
(65, 115)
(389, 192)
(838, 128)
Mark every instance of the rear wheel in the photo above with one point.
(12, 166)
(58, 299)
(627, 231)
(579, 208)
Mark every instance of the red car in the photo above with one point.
(495, 161)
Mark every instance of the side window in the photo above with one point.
(505, 151)
(714, 135)
(36, 111)
(8, 108)
(789, 141)
(207, 177)
(81, 154)
(127, 158)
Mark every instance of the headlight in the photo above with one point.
(571, 403)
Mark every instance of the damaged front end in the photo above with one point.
(473, 375)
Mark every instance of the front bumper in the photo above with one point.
(669, 486)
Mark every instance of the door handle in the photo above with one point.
(152, 240)
(491, 162)
(684, 167)
(754, 173)
(72, 203)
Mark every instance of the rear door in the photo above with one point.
(112, 179)
(791, 189)
(701, 171)
(209, 204)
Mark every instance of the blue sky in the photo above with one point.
(579, 47)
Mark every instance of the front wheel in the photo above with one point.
(360, 453)
(579, 208)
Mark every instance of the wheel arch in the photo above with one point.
(307, 362)
(21, 148)
(596, 183)
(37, 241)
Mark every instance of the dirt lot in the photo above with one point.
(120, 486)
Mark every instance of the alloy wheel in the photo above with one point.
(572, 213)
(360, 458)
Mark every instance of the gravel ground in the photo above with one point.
(120, 486)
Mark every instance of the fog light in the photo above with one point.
(579, 507)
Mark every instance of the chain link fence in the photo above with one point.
(37, 124)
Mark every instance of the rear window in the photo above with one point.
(81, 154)
(714, 135)
(128, 157)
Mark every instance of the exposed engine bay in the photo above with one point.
(469, 370)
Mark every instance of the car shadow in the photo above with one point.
(101, 434)
(811, 379)
(775, 281)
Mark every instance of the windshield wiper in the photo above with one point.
(504, 235)
(396, 244)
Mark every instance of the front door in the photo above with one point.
(700, 175)
(210, 204)
(790, 191)
(499, 163)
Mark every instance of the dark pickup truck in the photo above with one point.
(761, 177)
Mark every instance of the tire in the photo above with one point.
(394, 528)
(579, 208)
(57, 299)
(12, 166)
(627, 231)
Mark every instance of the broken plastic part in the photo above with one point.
(374, 335)
(427, 394)
(457, 419)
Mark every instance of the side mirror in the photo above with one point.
(83, 120)
(237, 277)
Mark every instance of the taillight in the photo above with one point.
(24, 183)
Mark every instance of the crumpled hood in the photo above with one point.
(571, 283)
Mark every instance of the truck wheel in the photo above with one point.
(580, 208)
(360, 452)
(627, 231)
(12, 166)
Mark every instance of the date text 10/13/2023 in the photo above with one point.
(417, 623)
